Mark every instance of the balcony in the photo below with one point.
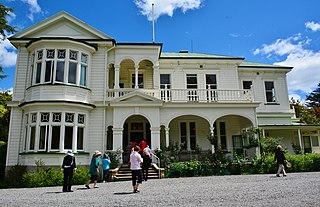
(188, 95)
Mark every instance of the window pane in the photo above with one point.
(44, 117)
(72, 73)
(42, 140)
(84, 58)
(269, 85)
(68, 137)
(247, 84)
(69, 118)
(40, 54)
(32, 138)
(55, 141)
(48, 71)
(183, 135)
(26, 138)
(315, 141)
(56, 117)
(73, 55)
(50, 54)
(81, 119)
(165, 80)
(38, 73)
(83, 74)
(191, 81)
(192, 129)
(60, 71)
(61, 54)
(212, 81)
(80, 138)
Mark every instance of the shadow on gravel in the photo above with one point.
(83, 188)
(123, 193)
(56, 192)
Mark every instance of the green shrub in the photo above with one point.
(81, 176)
(43, 178)
(15, 176)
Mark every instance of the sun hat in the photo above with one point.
(69, 152)
(97, 152)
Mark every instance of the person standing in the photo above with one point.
(280, 159)
(94, 170)
(146, 162)
(143, 144)
(105, 166)
(68, 167)
(135, 167)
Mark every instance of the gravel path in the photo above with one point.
(297, 189)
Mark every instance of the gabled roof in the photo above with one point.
(187, 55)
(55, 19)
(136, 98)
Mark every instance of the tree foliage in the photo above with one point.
(306, 115)
(5, 96)
(313, 99)
(5, 28)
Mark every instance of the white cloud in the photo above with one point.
(34, 8)
(8, 54)
(165, 7)
(313, 26)
(305, 74)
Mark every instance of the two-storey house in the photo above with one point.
(77, 88)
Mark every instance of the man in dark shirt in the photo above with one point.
(68, 166)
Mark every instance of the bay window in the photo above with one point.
(67, 66)
(54, 131)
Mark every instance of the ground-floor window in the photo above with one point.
(54, 131)
(188, 135)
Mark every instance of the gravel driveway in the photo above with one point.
(297, 189)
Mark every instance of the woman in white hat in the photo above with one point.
(94, 169)
(68, 166)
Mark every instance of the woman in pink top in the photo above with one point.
(135, 167)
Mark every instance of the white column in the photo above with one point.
(212, 145)
(136, 72)
(156, 81)
(107, 77)
(167, 137)
(116, 76)
(117, 138)
(258, 153)
(300, 141)
(155, 137)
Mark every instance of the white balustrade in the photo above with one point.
(188, 95)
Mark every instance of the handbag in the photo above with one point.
(288, 164)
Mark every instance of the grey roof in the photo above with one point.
(262, 65)
(188, 55)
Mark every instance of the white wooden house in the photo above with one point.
(77, 88)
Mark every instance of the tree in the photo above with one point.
(314, 97)
(5, 96)
(4, 28)
(306, 115)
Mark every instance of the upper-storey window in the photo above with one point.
(192, 81)
(246, 84)
(270, 91)
(60, 66)
(165, 81)
(211, 81)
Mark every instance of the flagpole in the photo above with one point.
(153, 39)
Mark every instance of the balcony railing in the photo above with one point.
(188, 95)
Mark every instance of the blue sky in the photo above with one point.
(285, 32)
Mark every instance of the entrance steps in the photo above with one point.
(123, 173)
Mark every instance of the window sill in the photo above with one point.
(52, 153)
(271, 103)
(58, 84)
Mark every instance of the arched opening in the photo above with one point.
(135, 129)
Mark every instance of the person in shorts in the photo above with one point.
(94, 169)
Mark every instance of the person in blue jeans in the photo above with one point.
(105, 167)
